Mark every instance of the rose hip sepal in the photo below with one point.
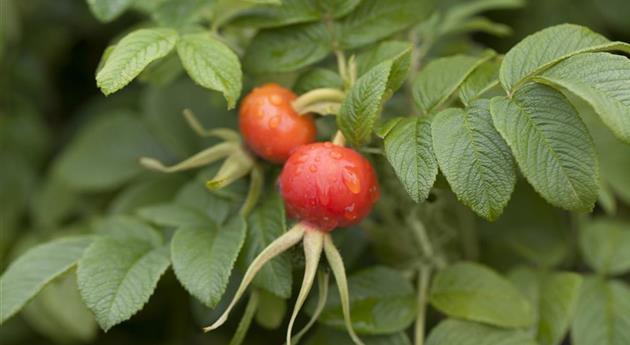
(324, 186)
(270, 125)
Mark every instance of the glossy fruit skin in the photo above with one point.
(270, 126)
(328, 186)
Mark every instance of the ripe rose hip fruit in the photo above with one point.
(328, 186)
(270, 125)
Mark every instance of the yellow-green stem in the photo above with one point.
(424, 275)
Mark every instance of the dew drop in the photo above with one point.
(349, 213)
(336, 155)
(351, 180)
(274, 122)
(275, 99)
(312, 168)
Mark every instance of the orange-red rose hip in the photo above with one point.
(328, 186)
(270, 125)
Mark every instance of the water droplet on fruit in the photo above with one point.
(312, 168)
(276, 99)
(351, 180)
(349, 213)
(336, 154)
(274, 122)
(318, 158)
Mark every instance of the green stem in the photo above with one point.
(256, 183)
(317, 96)
(424, 275)
(423, 238)
(226, 134)
(246, 321)
(339, 139)
(205, 157)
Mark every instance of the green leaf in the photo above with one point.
(211, 64)
(474, 158)
(441, 77)
(179, 13)
(271, 15)
(212, 204)
(172, 214)
(480, 81)
(605, 245)
(362, 106)
(120, 270)
(554, 295)
(162, 72)
(478, 24)
(107, 10)
(27, 275)
(105, 154)
(127, 227)
(386, 50)
(327, 336)
(547, 47)
(551, 145)
(462, 17)
(265, 224)
(530, 231)
(132, 54)
(612, 152)
(457, 332)
(601, 79)
(374, 20)
(203, 257)
(268, 52)
(382, 301)
(271, 310)
(409, 149)
(336, 8)
(473, 292)
(147, 192)
(162, 110)
(603, 315)
(59, 313)
(317, 78)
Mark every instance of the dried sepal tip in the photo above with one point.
(313, 243)
(277, 247)
(336, 265)
(202, 158)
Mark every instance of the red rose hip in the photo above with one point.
(328, 186)
(270, 125)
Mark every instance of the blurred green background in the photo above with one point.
(49, 51)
